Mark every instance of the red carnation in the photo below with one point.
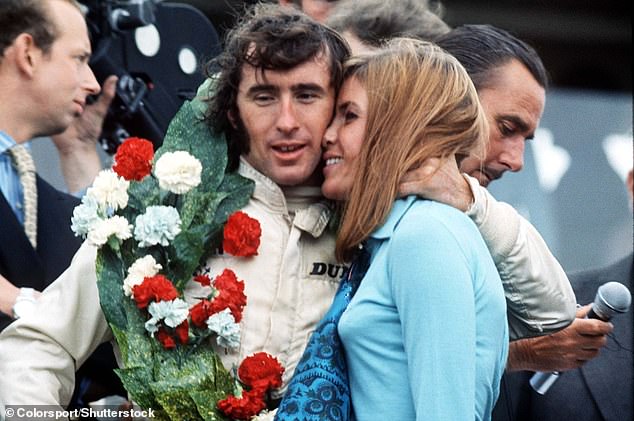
(133, 159)
(241, 235)
(182, 332)
(243, 408)
(201, 312)
(231, 294)
(156, 288)
(261, 371)
(203, 280)
(165, 338)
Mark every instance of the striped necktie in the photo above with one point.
(26, 171)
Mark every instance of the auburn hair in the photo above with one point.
(421, 104)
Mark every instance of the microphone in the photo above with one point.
(611, 298)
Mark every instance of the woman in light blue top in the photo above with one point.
(425, 335)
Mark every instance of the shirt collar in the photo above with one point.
(265, 189)
(6, 142)
(399, 208)
(312, 218)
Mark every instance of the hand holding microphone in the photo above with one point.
(612, 298)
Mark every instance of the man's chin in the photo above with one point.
(481, 177)
(484, 181)
(292, 180)
(53, 129)
(296, 175)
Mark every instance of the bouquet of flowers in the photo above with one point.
(155, 219)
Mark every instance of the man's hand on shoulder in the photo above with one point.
(440, 180)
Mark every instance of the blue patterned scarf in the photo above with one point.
(319, 388)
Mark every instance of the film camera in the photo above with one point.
(156, 49)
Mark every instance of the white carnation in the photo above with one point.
(99, 233)
(120, 227)
(110, 190)
(104, 228)
(84, 216)
(173, 312)
(158, 225)
(178, 172)
(224, 325)
(265, 415)
(142, 268)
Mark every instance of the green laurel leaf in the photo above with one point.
(182, 379)
(136, 381)
(110, 274)
(239, 191)
(141, 194)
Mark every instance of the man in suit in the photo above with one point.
(602, 388)
(25, 266)
(44, 65)
(599, 390)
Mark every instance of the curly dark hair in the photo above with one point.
(268, 37)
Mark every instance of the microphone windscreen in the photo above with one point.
(612, 297)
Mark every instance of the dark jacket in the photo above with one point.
(25, 267)
(56, 245)
(600, 390)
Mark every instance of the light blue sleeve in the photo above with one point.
(433, 292)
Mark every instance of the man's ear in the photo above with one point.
(27, 55)
(232, 118)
